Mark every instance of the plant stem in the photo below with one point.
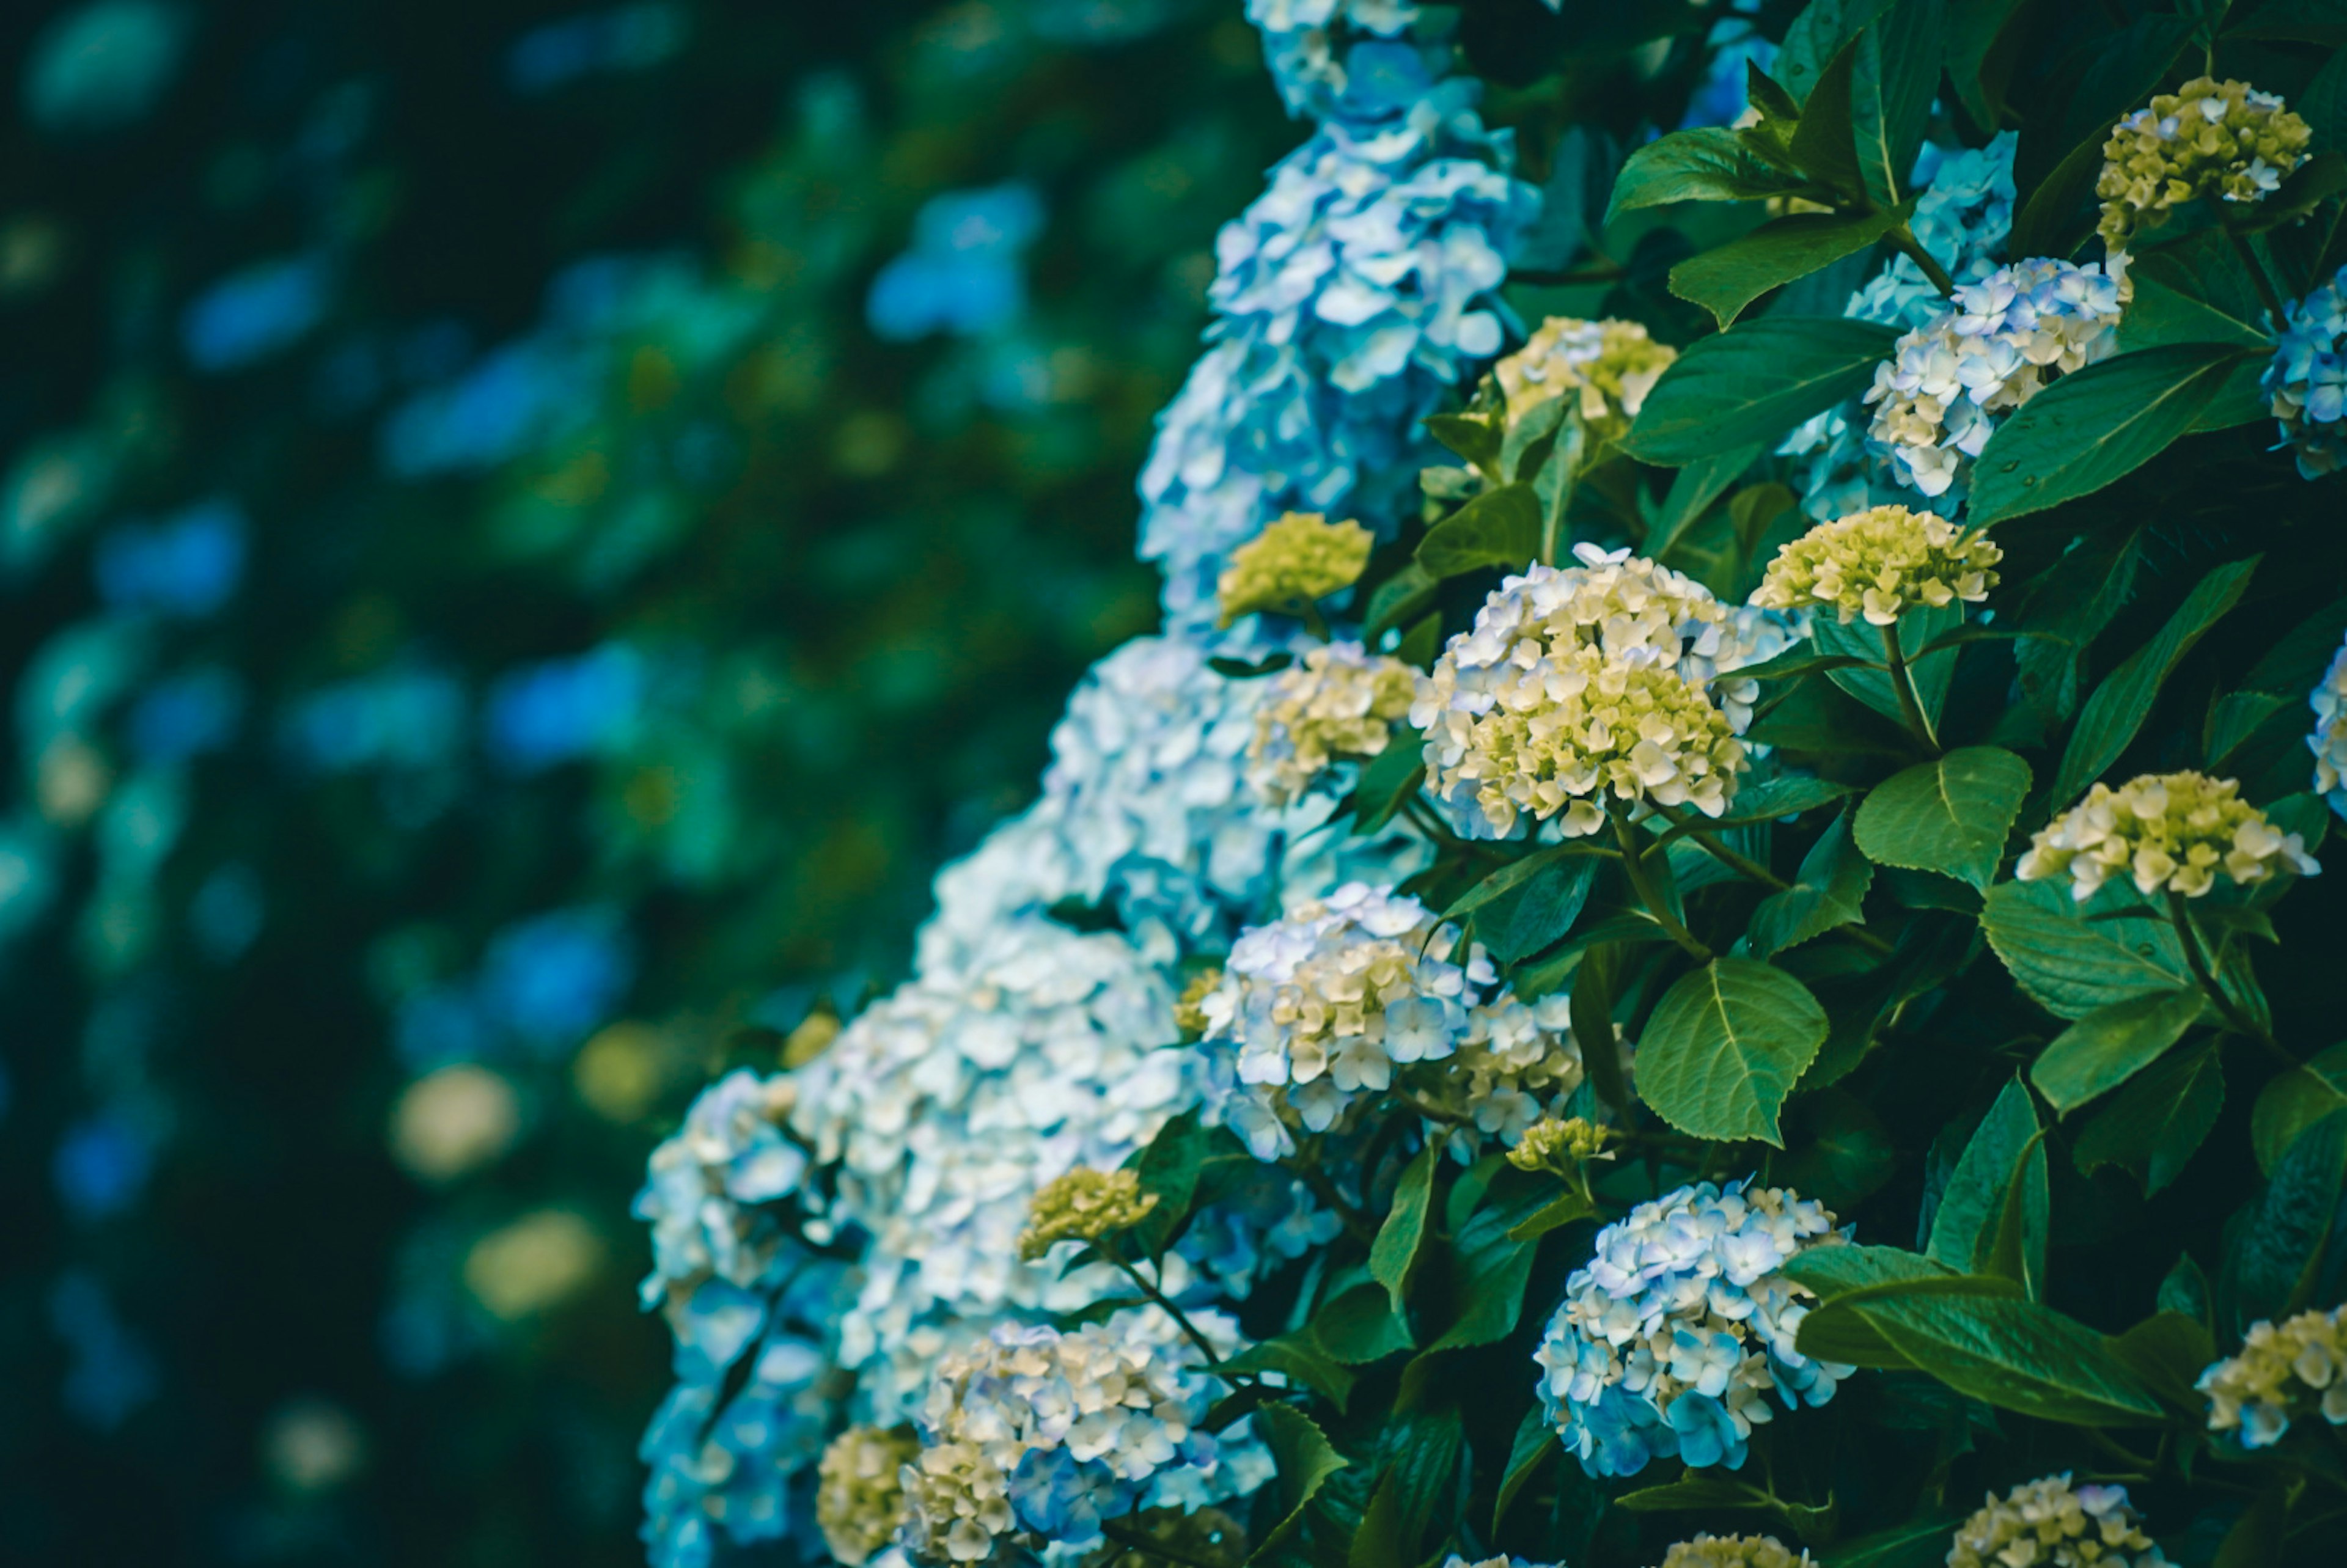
(1648, 894)
(2197, 959)
(1357, 1223)
(1314, 621)
(2256, 274)
(1902, 685)
(1116, 1532)
(1180, 1320)
(1744, 866)
(1902, 239)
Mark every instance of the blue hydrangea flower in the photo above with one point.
(1736, 42)
(963, 272)
(2307, 381)
(706, 1184)
(1325, 56)
(403, 716)
(186, 565)
(2329, 740)
(1674, 1334)
(563, 710)
(250, 315)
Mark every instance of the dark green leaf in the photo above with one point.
(2160, 1119)
(1693, 490)
(1787, 796)
(2120, 705)
(1726, 280)
(1723, 1047)
(1499, 528)
(1897, 77)
(1951, 815)
(1396, 1247)
(1469, 435)
(2256, 1539)
(1402, 597)
(2168, 1350)
(2051, 220)
(1753, 383)
(2294, 664)
(1377, 1542)
(1816, 36)
(2014, 1354)
(2294, 1099)
(2095, 425)
(1921, 1544)
(1870, 682)
(2111, 1045)
(1845, 1155)
(1305, 1459)
(1828, 892)
(1708, 164)
(1592, 1013)
(2005, 1152)
(1535, 1445)
(1823, 143)
(1299, 1357)
(1693, 1490)
(1169, 1165)
(2280, 1256)
(1973, 30)
(1540, 911)
(1556, 1216)
(1387, 785)
(1358, 1326)
(1837, 1271)
(2072, 967)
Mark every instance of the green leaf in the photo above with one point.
(1539, 910)
(1402, 597)
(1870, 682)
(1950, 816)
(1299, 1357)
(2160, 1119)
(1169, 1165)
(2279, 1257)
(2072, 967)
(1358, 1325)
(2256, 1539)
(1378, 1542)
(2003, 1168)
(1556, 1216)
(1723, 1047)
(2015, 1354)
(1842, 1154)
(1468, 435)
(2049, 220)
(1693, 490)
(1724, 280)
(1396, 1247)
(1692, 1491)
(2294, 664)
(1499, 528)
(2120, 705)
(1823, 142)
(2111, 1045)
(1535, 1444)
(1816, 36)
(2294, 1099)
(1387, 785)
(1753, 383)
(1976, 66)
(2097, 426)
(2311, 183)
(2168, 1350)
(1898, 75)
(1833, 1272)
(1305, 1459)
(1507, 878)
(1921, 1544)
(1788, 795)
(1711, 163)
(1590, 1010)
(1828, 892)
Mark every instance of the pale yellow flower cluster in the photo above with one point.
(1606, 367)
(2281, 1367)
(2048, 1524)
(1574, 730)
(1735, 1551)
(1083, 1205)
(2222, 140)
(1340, 701)
(1189, 1008)
(859, 1499)
(1880, 563)
(1301, 557)
(2167, 831)
(1560, 1147)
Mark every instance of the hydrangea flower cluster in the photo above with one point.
(859, 1500)
(2004, 339)
(706, 1182)
(1034, 1437)
(1323, 1005)
(1339, 702)
(1560, 1146)
(1517, 1062)
(2222, 140)
(1674, 1334)
(1880, 563)
(1301, 557)
(2049, 1523)
(2306, 383)
(1084, 1205)
(1606, 367)
(2299, 1363)
(1314, 47)
(1735, 1551)
(2328, 741)
(2167, 831)
(1351, 296)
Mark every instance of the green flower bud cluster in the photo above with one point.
(2284, 1368)
(1606, 367)
(1083, 1205)
(1341, 702)
(859, 1499)
(1301, 557)
(2168, 832)
(1562, 1147)
(1735, 1551)
(1880, 563)
(2222, 140)
(2048, 1524)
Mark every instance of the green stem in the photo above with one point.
(1902, 239)
(1205, 1348)
(1745, 865)
(1314, 621)
(2256, 274)
(1648, 894)
(2197, 959)
(1150, 1546)
(1902, 685)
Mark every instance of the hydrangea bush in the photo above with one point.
(1700, 940)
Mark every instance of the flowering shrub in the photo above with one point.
(1259, 1165)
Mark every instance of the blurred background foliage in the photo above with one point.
(528, 534)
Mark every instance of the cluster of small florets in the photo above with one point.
(1672, 1336)
(1034, 1437)
(1604, 368)
(1084, 1205)
(1456, 1561)
(1341, 702)
(2222, 140)
(2004, 339)
(2306, 381)
(706, 1182)
(2168, 833)
(1880, 563)
(1516, 1062)
(1561, 1147)
(2048, 1524)
(1735, 1551)
(1577, 682)
(2283, 1368)
(1323, 1005)
(859, 1497)
(2328, 741)
(1297, 559)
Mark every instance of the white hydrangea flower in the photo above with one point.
(2165, 831)
(1735, 1551)
(1033, 1437)
(1339, 702)
(2049, 1523)
(706, 1181)
(2328, 741)
(2293, 1366)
